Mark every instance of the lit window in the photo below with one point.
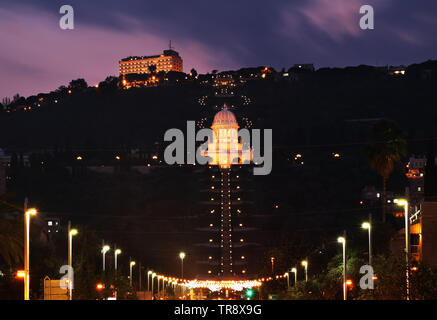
(50, 223)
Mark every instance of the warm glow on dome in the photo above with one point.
(226, 149)
(224, 118)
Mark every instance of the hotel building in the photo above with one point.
(168, 61)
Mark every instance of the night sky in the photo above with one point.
(37, 56)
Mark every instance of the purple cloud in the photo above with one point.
(32, 41)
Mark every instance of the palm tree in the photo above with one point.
(11, 242)
(387, 147)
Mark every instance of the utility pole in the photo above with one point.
(344, 266)
(26, 253)
(139, 277)
(370, 239)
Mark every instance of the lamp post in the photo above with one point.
(131, 264)
(342, 240)
(104, 250)
(182, 256)
(27, 214)
(272, 260)
(403, 202)
(305, 265)
(294, 270)
(157, 280)
(148, 283)
(153, 276)
(117, 252)
(368, 226)
(287, 274)
(71, 233)
(163, 287)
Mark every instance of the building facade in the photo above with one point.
(168, 61)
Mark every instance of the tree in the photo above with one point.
(387, 146)
(6, 101)
(16, 97)
(193, 73)
(78, 85)
(11, 242)
(111, 83)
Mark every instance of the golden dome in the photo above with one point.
(224, 118)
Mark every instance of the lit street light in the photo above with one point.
(403, 202)
(131, 264)
(368, 226)
(272, 260)
(287, 274)
(27, 214)
(117, 252)
(342, 240)
(182, 256)
(148, 282)
(294, 270)
(305, 265)
(104, 250)
(71, 233)
(163, 286)
(153, 276)
(158, 278)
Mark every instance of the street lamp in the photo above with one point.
(163, 287)
(342, 240)
(294, 270)
(27, 214)
(117, 252)
(159, 277)
(287, 274)
(104, 250)
(153, 276)
(403, 202)
(368, 226)
(148, 282)
(305, 265)
(272, 260)
(71, 233)
(182, 256)
(131, 264)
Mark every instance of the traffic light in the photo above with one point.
(249, 293)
